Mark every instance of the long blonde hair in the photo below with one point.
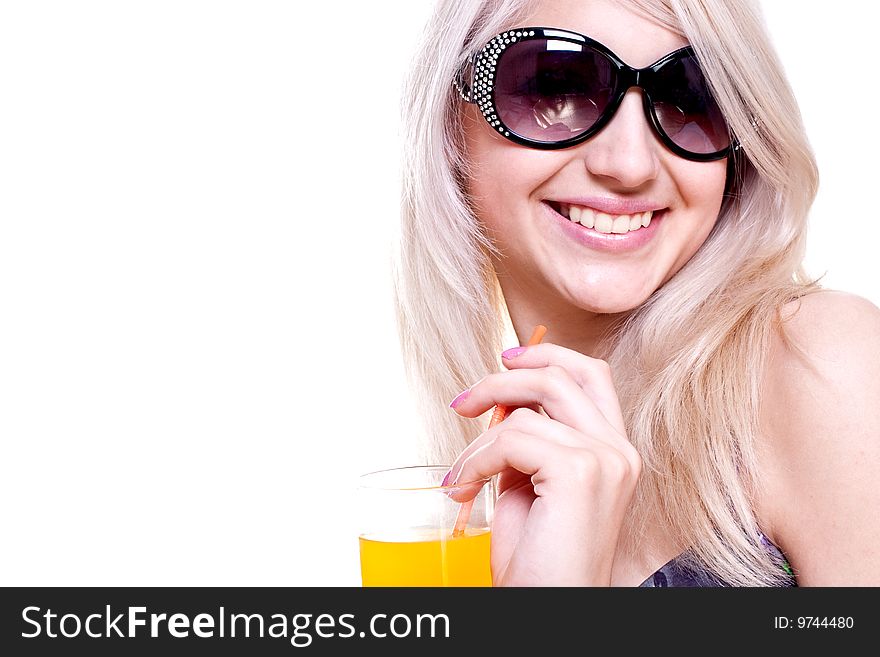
(686, 363)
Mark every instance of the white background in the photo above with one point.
(197, 201)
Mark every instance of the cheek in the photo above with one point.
(504, 175)
(701, 186)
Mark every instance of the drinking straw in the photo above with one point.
(498, 415)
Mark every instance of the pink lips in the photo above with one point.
(612, 205)
(608, 241)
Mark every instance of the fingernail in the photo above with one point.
(445, 481)
(513, 352)
(461, 397)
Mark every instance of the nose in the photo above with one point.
(625, 150)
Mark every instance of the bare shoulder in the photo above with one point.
(810, 318)
(820, 446)
(829, 344)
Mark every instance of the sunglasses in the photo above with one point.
(548, 88)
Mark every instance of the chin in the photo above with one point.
(608, 304)
(612, 309)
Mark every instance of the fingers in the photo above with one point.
(525, 421)
(591, 374)
(555, 469)
(511, 449)
(574, 392)
(509, 452)
(551, 387)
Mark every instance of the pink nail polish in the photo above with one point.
(512, 352)
(461, 397)
(445, 481)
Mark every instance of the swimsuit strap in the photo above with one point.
(681, 570)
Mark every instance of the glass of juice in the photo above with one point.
(413, 531)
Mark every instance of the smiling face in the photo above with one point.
(527, 199)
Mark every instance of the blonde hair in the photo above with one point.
(686, 363)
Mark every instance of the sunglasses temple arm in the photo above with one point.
(735, 144)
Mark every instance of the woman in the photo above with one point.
(700, 413)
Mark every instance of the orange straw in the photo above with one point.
(497, 416)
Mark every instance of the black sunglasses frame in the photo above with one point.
(479, 90)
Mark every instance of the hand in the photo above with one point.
(567, 474)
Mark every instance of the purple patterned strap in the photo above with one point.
(681, 571)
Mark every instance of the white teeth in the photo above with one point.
(588, 217)
(604, 222)
(620, 225)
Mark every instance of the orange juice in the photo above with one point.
(426, 559)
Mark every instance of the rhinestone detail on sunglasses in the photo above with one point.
(484, 73)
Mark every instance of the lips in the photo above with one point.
(610, 205)
(628, 238)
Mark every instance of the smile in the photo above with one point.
(604, 231)
(604, 222)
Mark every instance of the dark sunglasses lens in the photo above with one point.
(551, 90)
(686, 110)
